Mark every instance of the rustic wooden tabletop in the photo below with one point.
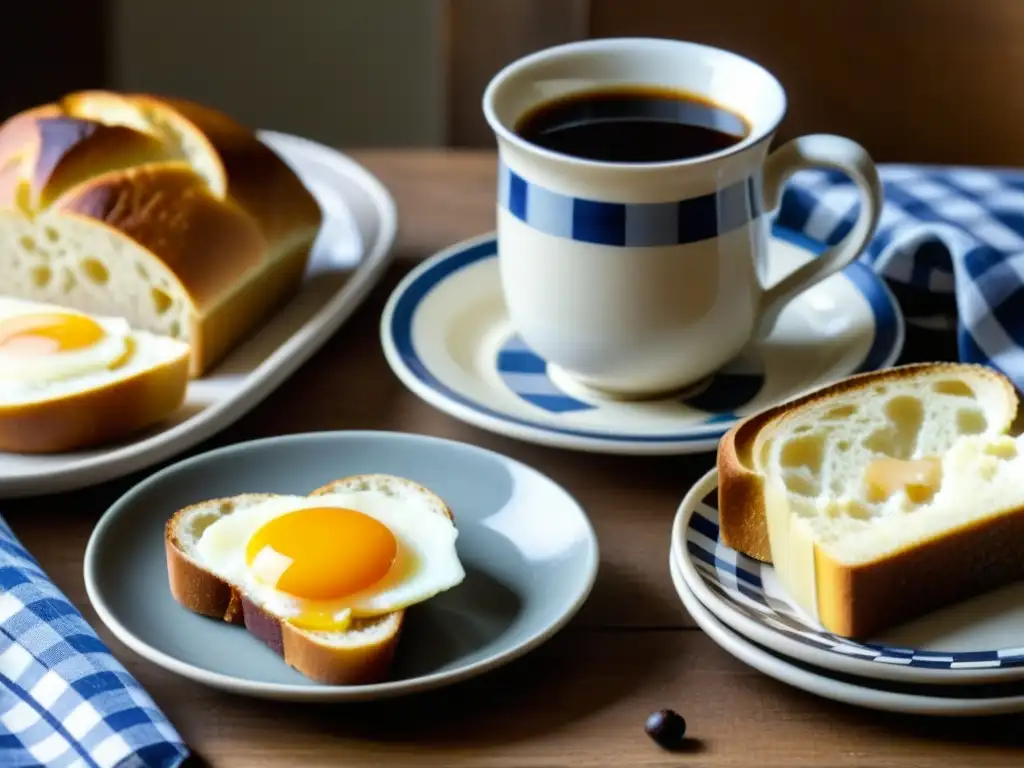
(582, 698)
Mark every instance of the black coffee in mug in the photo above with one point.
(632, 125)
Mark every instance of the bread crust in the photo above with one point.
(242, 312)
(741, 513)
(71, 151)
(860, 601)
(96, 416)
(237, 243)
(286, 215)
(209, 245)
(141, 113)
(207, 594)
(194, 587)
(19, 143)
(258, 179)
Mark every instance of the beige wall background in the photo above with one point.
(344, 72)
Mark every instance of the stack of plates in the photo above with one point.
(964, 660)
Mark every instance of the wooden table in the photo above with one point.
(582, 698)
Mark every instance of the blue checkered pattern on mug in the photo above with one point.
(64, 699)
(953, 231)
(628, 225)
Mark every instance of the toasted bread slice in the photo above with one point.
(361, 654)
(874, 499)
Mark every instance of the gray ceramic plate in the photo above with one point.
(529, 551)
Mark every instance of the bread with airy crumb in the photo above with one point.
(164, 212)
(881, 497)
(360, 655)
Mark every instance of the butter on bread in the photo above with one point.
(158, 210)
(881, 497)
(361, 654)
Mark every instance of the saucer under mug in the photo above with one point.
(447, 335)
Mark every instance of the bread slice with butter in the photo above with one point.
(360, 654)
(881, 497)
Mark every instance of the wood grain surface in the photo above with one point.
(582, 698)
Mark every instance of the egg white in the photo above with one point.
(62, 365)
(26, 380)
(427, 561)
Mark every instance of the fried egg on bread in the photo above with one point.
(71, 380)
(323, 579)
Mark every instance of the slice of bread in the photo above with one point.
(361, 654)
(873, 497)
(95, 405)
(741, 485)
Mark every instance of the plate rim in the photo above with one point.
(266, 377)
(486, 419)
(318, 692)
(821, 685)
(778, 643)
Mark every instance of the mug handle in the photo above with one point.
(819, 151)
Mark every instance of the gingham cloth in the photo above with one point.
(944, 231)
(64, 699)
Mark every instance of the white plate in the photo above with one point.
(349, 257)
(836, 688)
(976, 641)
(447, 335)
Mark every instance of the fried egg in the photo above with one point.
(319, 561)
(48, 351)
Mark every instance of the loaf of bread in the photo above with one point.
(882, 497)
(158, 210)
(361, 654)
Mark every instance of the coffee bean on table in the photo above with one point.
(667, 727)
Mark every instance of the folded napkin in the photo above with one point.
(950, 242)
(64, 699)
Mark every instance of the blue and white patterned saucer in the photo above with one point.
(447, 335)
(977, 641)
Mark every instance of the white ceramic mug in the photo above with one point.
(639, 279)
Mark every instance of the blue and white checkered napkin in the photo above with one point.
(946, 232)
(64, 699)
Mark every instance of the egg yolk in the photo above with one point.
(38, 335)
(322, 553)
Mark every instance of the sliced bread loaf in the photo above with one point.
(165, 213)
